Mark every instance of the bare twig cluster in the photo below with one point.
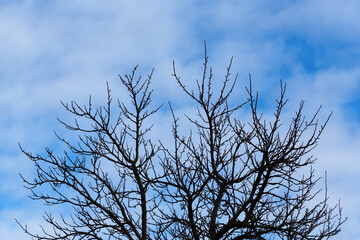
(225, 180)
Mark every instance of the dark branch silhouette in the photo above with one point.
(226, 179)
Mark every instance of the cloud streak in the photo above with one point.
(64, 50)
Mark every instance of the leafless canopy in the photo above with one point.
(224, 180)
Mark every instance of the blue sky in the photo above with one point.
(66, 50)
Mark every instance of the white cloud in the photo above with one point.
(68, 49)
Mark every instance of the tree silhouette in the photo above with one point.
(226, 179)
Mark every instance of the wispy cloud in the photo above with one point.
(64, 50)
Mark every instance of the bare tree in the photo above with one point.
(224, 180)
